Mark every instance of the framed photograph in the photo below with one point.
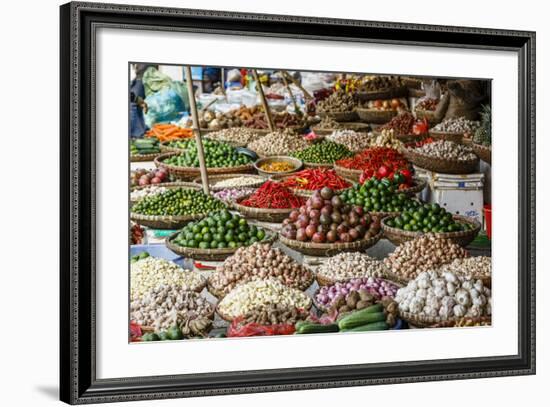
(255, 203)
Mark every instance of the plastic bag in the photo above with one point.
(236, 329)
(154, 81)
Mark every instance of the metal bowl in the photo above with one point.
(297, 165)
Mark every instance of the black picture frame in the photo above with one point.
(78, 382)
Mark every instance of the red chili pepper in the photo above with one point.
(273, 195)
(316, 178)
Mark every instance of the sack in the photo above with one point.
(466, 97)
(164, 106)
(154, 81)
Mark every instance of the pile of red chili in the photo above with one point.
(374, 158)
(316, 178)
(273, 195)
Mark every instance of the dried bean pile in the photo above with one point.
(278, 143)
(447, 150)
(386, 138)
(423, 253)
(352, 140)
(237, 135)
(346, 266)
(257, 293)
(260, 261)
(273, 314)
(337, 102)
(401, 124)
(168, 306)
(327, 123)
(457, 125)
(153, 272)
(478, 266)
(376, 83)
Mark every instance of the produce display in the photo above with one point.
(235, 182)
(374, 158)
(260, 261)
(277, 166)
(229, 195)
(355, 294)
(444, 296)
(140, 256)
(273, 195)
(216, 120)
(337, 102)
(255, 118)
(378, 196)
(325, 152)
(378, 317)
(354, 265)
(166, 306)
(149, 190)
(316, 178)
(177, 202)
(168, 132)
(238, 135)
(278, 143)
(448, 150)
(427, 218)
(257, 293)
(141, 177)
(385, 104)
(325, 218)
(398, 178)
(482, 134)
(476, 267)
(144, 146)
(136, 234)
(427, 103)
(273, 314)
(327, 123)
(354, 141)
(219, 230)
(386, 138)
(216, 155)
(402, 124)
(457, 125)
(426, 252)
(153, 272)
(378, 82)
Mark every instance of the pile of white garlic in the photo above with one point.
(444, 296)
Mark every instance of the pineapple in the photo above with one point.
(483, 134)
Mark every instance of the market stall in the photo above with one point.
(324, 205)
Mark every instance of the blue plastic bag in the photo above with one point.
(164, 106)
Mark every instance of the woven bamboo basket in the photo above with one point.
(329, 249)
(163, 221)
(177, 184)
(446, 135)
(318, 165)
(262, 214)
(418, 186)
(483, 321)
(296, 163)
(375, 115)
(423, 321)
(341, 116)
(442, 165)
(216, 178)
(210, 315)
(230, 318)
(482, 152)
(208, 254)
(462, 238)
(190, 173)
(389, 93)
(348, 173)
(144, 157)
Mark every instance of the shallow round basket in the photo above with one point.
(483, 152)
(262, 214)
(419, 185)
(341, 116)
(442, 165)
(318, 165)
(144, 157)
(208, 254)
(423, 321)
(162, 221)
(329, 249)
(462, 238)
(375, 115)
(446, 135)
(348, 173)
(216, 178)
(483, 321)
(355, 126)
(297, 164)
(190, 173)
(177, 184)
(389, 93)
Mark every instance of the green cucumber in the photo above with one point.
(148, 150)
(373, 326)
(311, 328)
(144, 142)
(362, 317)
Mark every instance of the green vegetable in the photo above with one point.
(427, 218)
(378, 196)
(177, 201)
(164, 336)
(374, 313)
(326, 152)
(373, 326)
(216, 154)
(144, 146)
(174, 333)
(150, 336)
(311, 328)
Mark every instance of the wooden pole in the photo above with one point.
(196, 129)
(264, 101)
(296, 108)
(307, 95)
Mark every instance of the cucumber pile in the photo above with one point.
(143, 146)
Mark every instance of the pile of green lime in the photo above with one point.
(326, 152)
(177, 202)
(378, 196)
(216, 155)
(219, 230)
(428, 218)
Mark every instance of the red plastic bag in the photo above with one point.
(236, 329)
(135, 332)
